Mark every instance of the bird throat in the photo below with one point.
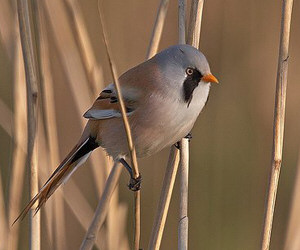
(190, 83)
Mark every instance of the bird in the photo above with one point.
(163, 97)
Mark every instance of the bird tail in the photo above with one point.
(69, 165)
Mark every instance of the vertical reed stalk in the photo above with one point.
(19, 153)
(183, 225)
(134, 164)
(195, 23)
(158, 27)
(7, 31)
(72, 67)
(120, 98)
(100, 214)
(51, 130)
(92, 69)
(292, 241)
(9, 36)
(3, 224)
(193, 39)
(278, 125)
(102, 208)
(184, 152)
(164, 201)
(70, 58)
(171, 170)
(31, 72)
(94, 75)
(181, 21)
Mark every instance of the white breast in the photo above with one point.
(171, 120)
(159, 122)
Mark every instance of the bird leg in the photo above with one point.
(188, 136)
(134, 183)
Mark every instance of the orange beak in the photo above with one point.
(209, 78)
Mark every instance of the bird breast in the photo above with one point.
(158, 122)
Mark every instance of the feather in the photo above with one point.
(106, 105)
(69, 165)
(99, 114)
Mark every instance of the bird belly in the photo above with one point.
(153, 127)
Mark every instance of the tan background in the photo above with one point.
(232, 139)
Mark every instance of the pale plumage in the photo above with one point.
(163, 98)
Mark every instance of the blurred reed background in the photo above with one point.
(232, 139)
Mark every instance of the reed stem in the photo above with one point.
(102, 208)
(164, 201)
(278, 125)
(32, 78)
(134, 164)
(158, 28)
(193, 39)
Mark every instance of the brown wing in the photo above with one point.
(106, 105)
(135, 84)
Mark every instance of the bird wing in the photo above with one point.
(106, 105)
(135, 84)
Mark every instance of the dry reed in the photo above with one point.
(100, 213)
(171, 170)
(114, 74)
(183, 224)
(92, 69)
(31, 72)
(292, 241)
(94, 75)
(278, 126)
(102, 208)
(16, 179)
(132, 152)
(157, 231)
(158, 28)
(184, 151)
(52, 134)
(193, 39)
(9, 36)
(76, 76)
(164, 200)
(7, 31)
(195, 23)
(74, 70)
(181, 21)
(19, 153)
(3, 224)
(5, 124)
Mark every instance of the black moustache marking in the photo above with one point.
(190, 83)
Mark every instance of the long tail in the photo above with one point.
(74, 159)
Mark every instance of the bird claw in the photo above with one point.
(135, 183)
(189, 136)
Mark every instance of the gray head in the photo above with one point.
(185, 67)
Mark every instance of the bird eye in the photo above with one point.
(189, 71)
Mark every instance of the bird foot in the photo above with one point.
(188, 136)
(177, 145)
(135, 183)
